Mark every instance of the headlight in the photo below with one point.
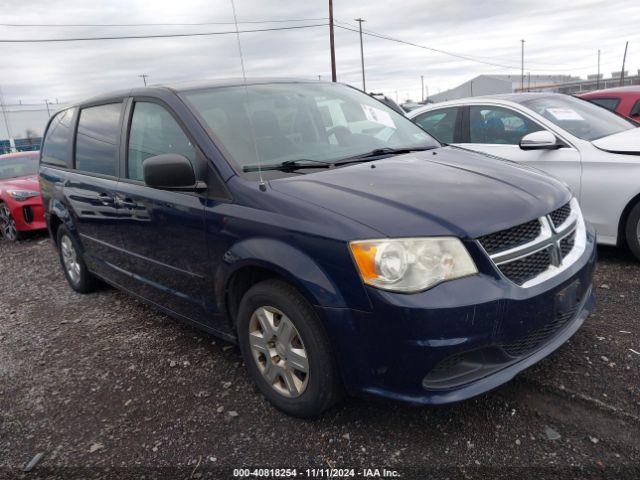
(22, 195)
(411, 264)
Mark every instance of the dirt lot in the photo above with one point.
(105, 387)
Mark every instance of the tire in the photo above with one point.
(8, 228)
(632, 231)
(73, 265)
(281, 379)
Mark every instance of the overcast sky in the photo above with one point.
(562, 37)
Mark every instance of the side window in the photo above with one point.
(154, 132)
(97, 139)
(55, 146)
(497, 125)
(635, 111)
(608, 103)
(440, 124)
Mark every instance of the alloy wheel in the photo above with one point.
(70, 259)
(278, 350)
(7, 224)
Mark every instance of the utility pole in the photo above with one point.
(624, 59)
(528, 81)
(319, 77)
(6, 119)
(144, 78)
(598, 76)
(522, 66)
(334, 77)
(46, 102)
(360, 20)
(422, 87)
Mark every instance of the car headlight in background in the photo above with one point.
(411, 264)
(21, 195)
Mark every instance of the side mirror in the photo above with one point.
(169, 172)
(542, 140)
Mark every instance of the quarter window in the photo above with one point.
(440, 124)
(55, 147)
(497, 125)
(154, 132)
(97, 139)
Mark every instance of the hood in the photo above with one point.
(627, 141)
(21, 183)
(440, 192)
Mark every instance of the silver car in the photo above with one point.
(596, 152)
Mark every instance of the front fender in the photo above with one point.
(287, 261)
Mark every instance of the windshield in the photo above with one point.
(579, 117)
(21, 166)
(302, 121)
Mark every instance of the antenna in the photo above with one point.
(262, 185)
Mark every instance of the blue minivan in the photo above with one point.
(343, 248)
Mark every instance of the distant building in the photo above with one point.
(593, 82)
(496, 84)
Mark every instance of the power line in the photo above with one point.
(168, 35)
(397, 40)
(476, 59)
(64, 25)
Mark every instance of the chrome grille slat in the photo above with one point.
(527, 261)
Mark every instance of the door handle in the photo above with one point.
(105, 199)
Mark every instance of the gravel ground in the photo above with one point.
(105, 387)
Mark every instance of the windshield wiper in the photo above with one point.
(289, 165)
(378, 152)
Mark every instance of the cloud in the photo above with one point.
(561, 37)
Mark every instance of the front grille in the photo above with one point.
(535, 339)
(27, 213)
(511, 237)
(526, 268)
(567, 243)
(559, 216)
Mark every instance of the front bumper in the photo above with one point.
(461, 338)
(29, 214)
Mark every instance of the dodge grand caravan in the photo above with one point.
(342, 248)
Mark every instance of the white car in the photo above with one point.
(596, 152)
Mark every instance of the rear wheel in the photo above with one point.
(286, 349)
(632, 231)
(8, 224)
(75, 270)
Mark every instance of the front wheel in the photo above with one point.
(8, 224)
(75, 270)
(632, 231)
(286, 349)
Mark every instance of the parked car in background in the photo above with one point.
(20, 200)
(591, 149)
(622, 100)
(409, 105)
(340, 245)
(388, 102)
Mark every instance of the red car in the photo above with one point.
(622, 100)
(20, 200)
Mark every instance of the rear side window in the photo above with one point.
(55, 146)
(440, 124)
(97, 139)
(154, 132)
(608, 103)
